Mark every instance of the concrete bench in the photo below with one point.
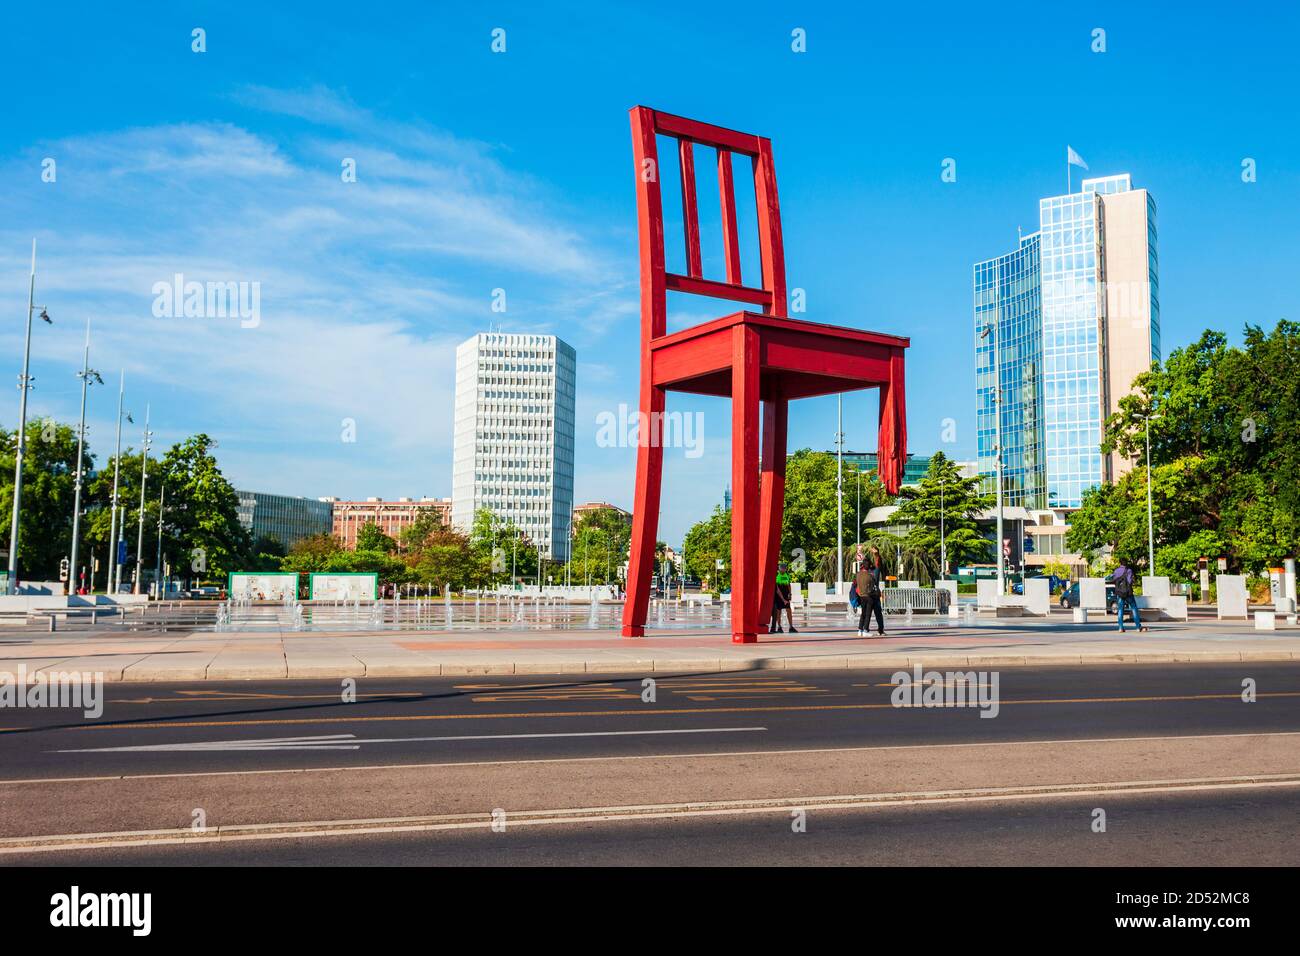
(1171, 607)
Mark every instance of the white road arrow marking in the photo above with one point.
(351, 742)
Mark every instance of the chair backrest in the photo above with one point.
(656, 281)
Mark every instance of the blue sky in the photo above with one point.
(478, 171)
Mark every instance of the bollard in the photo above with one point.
(52, 627)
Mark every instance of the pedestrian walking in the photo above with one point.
(867, 583)
(781, 600)
(1122, 578)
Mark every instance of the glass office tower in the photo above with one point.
(1008, 304)
(1073, 310)
(1078, 314)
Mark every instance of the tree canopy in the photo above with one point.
(1225, 458)
(944, 494)
(809, 522)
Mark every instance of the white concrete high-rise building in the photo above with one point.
(513, 438)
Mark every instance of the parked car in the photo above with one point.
(1054, 584)
(206, 593)
(1070, 597)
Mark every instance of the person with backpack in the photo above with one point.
(867, 585)
(782, 600)
(1122, 578)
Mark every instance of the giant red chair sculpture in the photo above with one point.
(754, 358)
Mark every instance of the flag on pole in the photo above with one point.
(1074, 159)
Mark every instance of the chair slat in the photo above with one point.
(730, 236)
(690, 208)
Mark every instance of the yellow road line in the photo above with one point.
(252, 697)
(646, 712)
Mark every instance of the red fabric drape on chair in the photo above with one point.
(892, 451)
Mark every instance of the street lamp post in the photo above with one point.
(991, 330)
(1151, 533)
(87, 376)
(162, 500)
(119, 544)
(24, 383)
(113, 529)
(943, 550)
(144, 479)
(839, 491)
(857, 519)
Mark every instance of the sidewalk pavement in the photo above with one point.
(208, 655)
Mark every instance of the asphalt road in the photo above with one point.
(1239, 829)
(587, 771)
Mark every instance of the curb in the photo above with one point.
(283, 670)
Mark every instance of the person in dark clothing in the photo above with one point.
(867, 583)
(1123, 579)
(781, 600)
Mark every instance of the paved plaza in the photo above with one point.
(567, 640)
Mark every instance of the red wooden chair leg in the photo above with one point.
(892, 450)
(645, 511)
(771, 503)
(744, 483)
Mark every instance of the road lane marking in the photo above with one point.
(442, 765)
(199, 697)
(636, 712)
(555, 693)
(351, 742)
(588, 815)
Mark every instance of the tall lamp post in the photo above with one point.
(857, 520)
(24, 383)
(1151, 532)
(568, 555)
(113, 528)
(991, 330)
(839, 491)
(88, 376)
(144, 479)
(943, 549)
(162, 500)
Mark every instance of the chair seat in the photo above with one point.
(797, 358)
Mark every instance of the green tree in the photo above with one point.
(1225, 457)
(437, 555)
(941, 511)
(389, 568)
(426, 524)
(600, 546)
(45, 525)
(267, 554)
(201, 527)
(312, 554)
(809, 527)
(370, 537)
(705, 544)
(810, 523)
(505, 552)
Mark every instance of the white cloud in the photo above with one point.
(366, 287)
